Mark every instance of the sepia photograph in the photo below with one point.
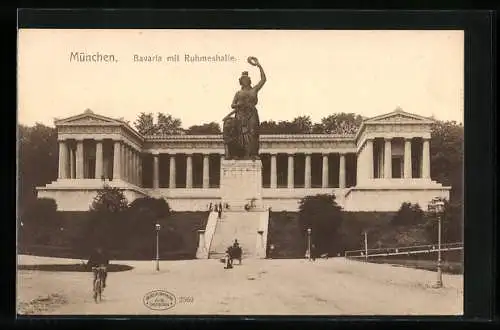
(240, 172)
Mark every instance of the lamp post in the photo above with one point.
(437, 207)
(158, 227)
(366, 245)
(308, 252)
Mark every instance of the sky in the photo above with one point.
(314, 73)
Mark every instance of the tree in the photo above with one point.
(105, 226)
(302, 124)
(145, 124)
(166, 124)
(281, 127)
(341, 123)
(322, 214)
(38, 160)
(109, 200)
(408, 214)
(268, 127)
(210, 128)
(447, 156)
(318, 128)
(148, 210)
(142, 216)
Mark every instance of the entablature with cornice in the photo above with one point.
(397, 124)
(89, 125)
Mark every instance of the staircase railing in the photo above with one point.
(403, 250)
(210, 230)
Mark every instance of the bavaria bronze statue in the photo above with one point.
(241, 126)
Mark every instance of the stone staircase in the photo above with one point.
(204, 243)
(244, 227)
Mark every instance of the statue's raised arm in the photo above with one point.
(255, 62)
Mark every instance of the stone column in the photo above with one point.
(273, 171)
(116, 160)
(307, 172)
(156, 171)
(380, 159)
(206, 171)
(79, 159)
(171, 182)
(189, 171)
(139, 178)
(139, 170)
(136, 167)
(407, 159)
(426, 163)
(98, 160)
(125, 162)
(72, 171)
(123, 158)
(388, 158)
(122, 161)
(63, 156)
(342, 171)
(290, 181)
(129, 164)
(222, 158)
(132, 166)
(324, 177)
(369, 158)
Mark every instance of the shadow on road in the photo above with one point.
(72, 268)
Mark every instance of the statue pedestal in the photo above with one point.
(241, 183)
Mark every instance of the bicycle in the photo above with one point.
(98, 282)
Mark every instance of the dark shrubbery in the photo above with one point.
(322, 214)
(126, 231)
(409, 226)
(144, 213)
(408, 214)
(405, 228)
(284, 232)
(130, 230)
(40, 223)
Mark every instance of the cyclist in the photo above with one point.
(99, 259)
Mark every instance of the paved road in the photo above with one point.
(258, 287)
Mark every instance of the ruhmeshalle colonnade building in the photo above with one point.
(384, 163)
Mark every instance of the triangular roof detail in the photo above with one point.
(88, 118)
(398, 116)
